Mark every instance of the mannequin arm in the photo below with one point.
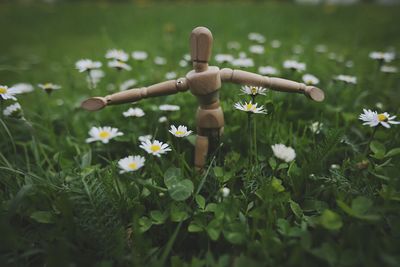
(277, 84)
(133, 95)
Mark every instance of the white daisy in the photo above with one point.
(321, 48)
(382, 56)
(346, 78)
(310, 79)
(119, 65)
(223, 58)
(49, 87)
(139, 55)
(276, 43)
(250, 107)
(95, 77)
(373, 119)
(167, 107)
(155, 147)
(103, 134)
(116, 54)
(160, 61)
(7, 93)
(285, 153)
(183, 63)
(143, 138)
(134, 112)
(255, 36)
(257, 49)
(21, 88)
(253, 90)
(128, 84)
(12, 109)
(267, 70)
(225, 191)
(131, 163)
(316, 127)
(243, 62)
(233, 45)
(389, 69)
(294, 65)
(162, 119)
(187, 57)
(170, 75)
(181, 131)
(87, 65)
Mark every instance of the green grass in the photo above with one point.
(63, 201)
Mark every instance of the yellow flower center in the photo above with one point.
(249, 106)
(3, 90)
(155, 148)
(382, 117)
(104, 134)
(132, 165)
(47, 85)
(179, 133)
(253, 90)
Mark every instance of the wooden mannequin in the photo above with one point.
(204, 82)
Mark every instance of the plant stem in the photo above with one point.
(250, 137)
(369, 141)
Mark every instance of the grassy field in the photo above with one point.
(64, 202)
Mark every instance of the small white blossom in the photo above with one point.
(162, 119)
(233, 45)
(119, 65)
(133, 112)
(294, 65)
(183, 63)
(49, 87)
(346, 78)
(257, 37)
(389, 69)
(297, 49)
(373, 119)
(167, 107)
(382, 56)
(321, 48)
(316, 127)
(128, 84)
(155, 147)
(253, 90)
(103, 134)
(12, 109)
(187, 57)
(139, 55)
(223, 58)
(181, 131)
(6, 93)
(160, 61)
(250, 107)
(310, 79)
(243, 62)
(170, 75)
(117, 55)
(225, 191)
(257, 49)
(267, 70)
(283, 152)
(87, 65)
(276, 43)
(95, 77)
(131, 163)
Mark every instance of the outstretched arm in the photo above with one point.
(133, 95)
(277, 84)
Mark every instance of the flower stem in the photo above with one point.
(249, 118)
(369, 141)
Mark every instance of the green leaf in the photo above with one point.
(201, 202)
(296, 209)
(393, 152)
(181, 190)
(214, 229)
(158, 217)
(218, 172)
(331, 220)
(172, 176)
(86, 159)
(42, 216)
(377, 147)
(277, 185)
(144, 224)
(272, 162)
(360, 205)
(194, 228)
